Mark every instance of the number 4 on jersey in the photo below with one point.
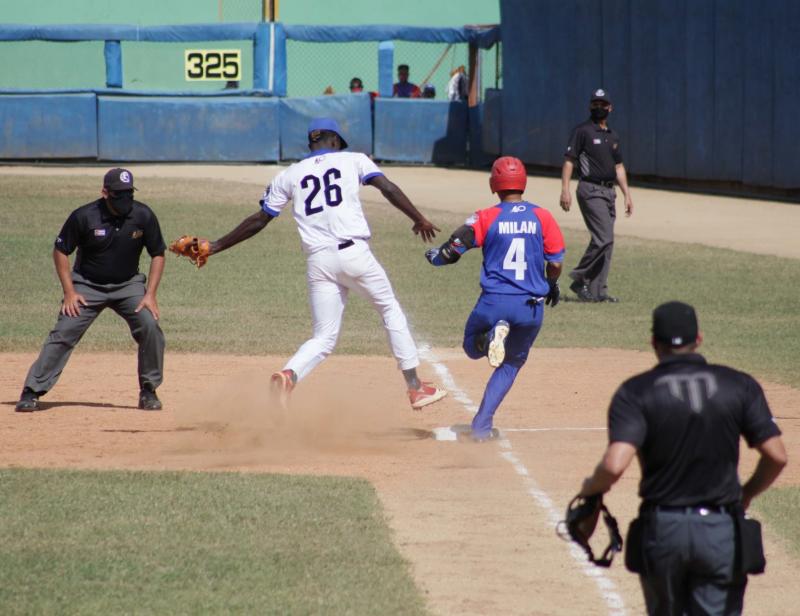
(515, 258)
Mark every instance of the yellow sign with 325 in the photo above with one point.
(213, 64)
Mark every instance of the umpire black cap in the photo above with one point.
(118, 179)
(675, 324)
(600, 95)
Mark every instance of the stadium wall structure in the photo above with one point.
(703, 90)
(115, 123)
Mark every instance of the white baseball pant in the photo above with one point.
(331, 273)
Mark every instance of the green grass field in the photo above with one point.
(196, 543)
(248, 543)
(252, 299)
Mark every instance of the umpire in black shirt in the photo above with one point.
(109, 235)
(684, 419)
(596, 149)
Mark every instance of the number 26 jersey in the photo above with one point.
(324, 188)
(517, 239)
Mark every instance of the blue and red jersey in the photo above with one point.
(517, 238)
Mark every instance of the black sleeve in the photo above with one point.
(153, 240)
(466, 234)
(757, 422)
(70, 235)
(617, 152)
(626, 422)
(574, 144)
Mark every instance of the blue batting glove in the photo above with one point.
(434, 257)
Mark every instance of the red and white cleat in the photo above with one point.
(281, 385)
(427, 394)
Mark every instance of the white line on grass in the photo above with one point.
(606, 586)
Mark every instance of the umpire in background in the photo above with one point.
(596, 148)
(684, 419)
(109, 234)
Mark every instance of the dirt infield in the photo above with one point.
(475, 521)
(480, 543)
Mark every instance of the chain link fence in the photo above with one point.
(327, 68)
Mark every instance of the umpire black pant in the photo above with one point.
(122, 298)
(598, 207)
(689, 564)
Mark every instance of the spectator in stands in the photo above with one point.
(457, 86)
(428, 91)
(404, 88)
(357, 87)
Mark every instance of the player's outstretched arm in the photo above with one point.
(394, 195)
(460, 242)
(245, 230)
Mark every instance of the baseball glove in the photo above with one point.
(582, 515)
(196, 249)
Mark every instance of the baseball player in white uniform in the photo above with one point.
(324, 191)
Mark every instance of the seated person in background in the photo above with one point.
(428, 91)
(357, 87)
(404, 88)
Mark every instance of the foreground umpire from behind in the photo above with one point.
(596, 149)
(109, 235)
(691, 545)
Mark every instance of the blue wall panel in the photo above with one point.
(786, 89)
(699, 118)
(670, 107)
(641, 146)
(190, 129)
(757, 110)
(351, 111)
(524, 79)
(492, 122)
(420, 131)
(48, 126)
(728, 89)
(702, 89)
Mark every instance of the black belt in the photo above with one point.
(694, 509)
(346, 244)
(606, 183)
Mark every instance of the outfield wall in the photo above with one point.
(702, 89)
(236, 125)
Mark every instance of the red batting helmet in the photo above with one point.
(508, 173)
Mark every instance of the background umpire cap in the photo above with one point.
(600, 95)
(327, 124)
(118, 179)
(675, 324)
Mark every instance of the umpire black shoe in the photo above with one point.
(582, 291)
(148, 401)
(28, 401)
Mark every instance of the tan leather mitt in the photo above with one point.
(196, 249)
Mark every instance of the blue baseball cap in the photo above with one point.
(327, 124)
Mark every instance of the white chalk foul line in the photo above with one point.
(606, 586)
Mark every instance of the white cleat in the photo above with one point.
(497, 343)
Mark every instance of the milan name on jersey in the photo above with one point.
(510, 227)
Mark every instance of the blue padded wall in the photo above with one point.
(492, 122)
(351, 111)
(48, 126)
(421, 131)
(702, 89)
(190, 129)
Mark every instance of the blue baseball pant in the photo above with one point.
(524, 316)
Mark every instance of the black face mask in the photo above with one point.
(599, 113)
(121, 203)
